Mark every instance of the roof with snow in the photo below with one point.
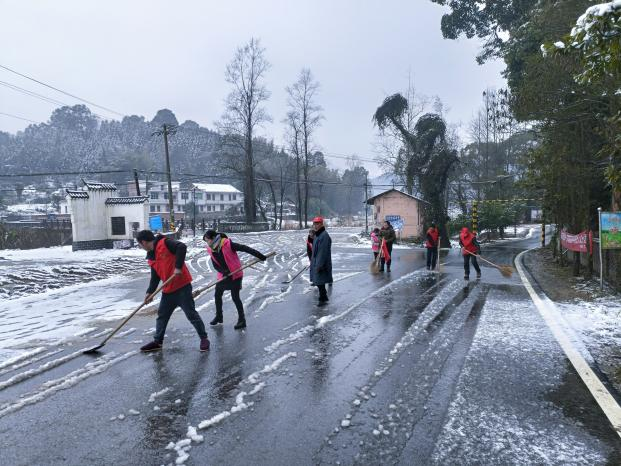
(372, 199)
(217, 188)
(126, 200)
(77, 194)
(98, 186)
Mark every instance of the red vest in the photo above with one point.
(164, 266)
(435, 234)
(230, 257)
(467, 239)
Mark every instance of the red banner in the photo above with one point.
(582, 242)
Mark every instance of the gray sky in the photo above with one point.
(139, 56)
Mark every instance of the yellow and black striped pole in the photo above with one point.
(543, 231)
(475, 216)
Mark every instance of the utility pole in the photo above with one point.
(137, 183)
(320, 190)
(165, 131)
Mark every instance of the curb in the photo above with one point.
(552, 317)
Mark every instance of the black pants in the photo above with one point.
(235, 287)
(375, 253)
(169, 302)
(384, 261)
(432, 257)
(323, 294)
(475, 264)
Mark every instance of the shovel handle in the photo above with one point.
(151, 296)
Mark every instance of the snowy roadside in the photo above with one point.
(593, 315)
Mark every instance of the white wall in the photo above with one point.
(88, 216)
(132, 213)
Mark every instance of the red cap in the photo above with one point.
(318, 220)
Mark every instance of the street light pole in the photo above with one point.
(194, 213)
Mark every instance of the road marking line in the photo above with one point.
(551, 316)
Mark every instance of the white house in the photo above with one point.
(211, 200)
(99, 218)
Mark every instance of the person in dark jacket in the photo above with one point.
(321, 260)
(309, 243)
(470, 245)
(225, 260)
(167, 258)
(387, 233)
(431, 243)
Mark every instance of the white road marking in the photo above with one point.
(551, 316)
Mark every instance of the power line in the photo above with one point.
(19, 118)
(61, 91)
(40, 96)
(97, 172)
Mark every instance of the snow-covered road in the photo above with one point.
(409, 368)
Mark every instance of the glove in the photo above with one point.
(262, 258)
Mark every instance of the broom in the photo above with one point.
(505, 270)
(376, 264)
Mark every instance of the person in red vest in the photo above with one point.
(431, 243)
(470, 245)
(167, 258)
(225, 260)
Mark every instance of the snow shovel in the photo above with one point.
(296, 275)
(505, 270)
(244, 266)
(113, 332)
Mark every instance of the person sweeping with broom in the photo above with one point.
(166, 257)
(470, 249)
(225, 260)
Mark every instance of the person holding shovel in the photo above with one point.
(470, 246)
(166, 257)
(225, 260)
(387, 233)
(431, 243)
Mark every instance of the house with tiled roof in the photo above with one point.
(101, 219)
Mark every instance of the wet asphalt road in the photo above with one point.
(410, 367)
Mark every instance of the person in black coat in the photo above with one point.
(321, 259)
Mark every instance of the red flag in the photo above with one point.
(385, 253)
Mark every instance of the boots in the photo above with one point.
(241, 321)
(218, 319)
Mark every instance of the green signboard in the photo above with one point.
(611, 230)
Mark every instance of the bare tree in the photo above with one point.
(305, 113)
(293, 137)
(244, 111)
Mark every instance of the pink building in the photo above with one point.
(404, 212)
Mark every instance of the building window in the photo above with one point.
(185, 195)
(234, 197)
(230, 198)
(166, 196)
(208, 197)
(198, 196)
(158, 208)
(154, 195)
(201, 208)
(152, 208)
(208, 208)
(221, 197)
(221, 206)
(118, 225)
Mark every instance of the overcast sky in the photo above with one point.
(139, 56)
